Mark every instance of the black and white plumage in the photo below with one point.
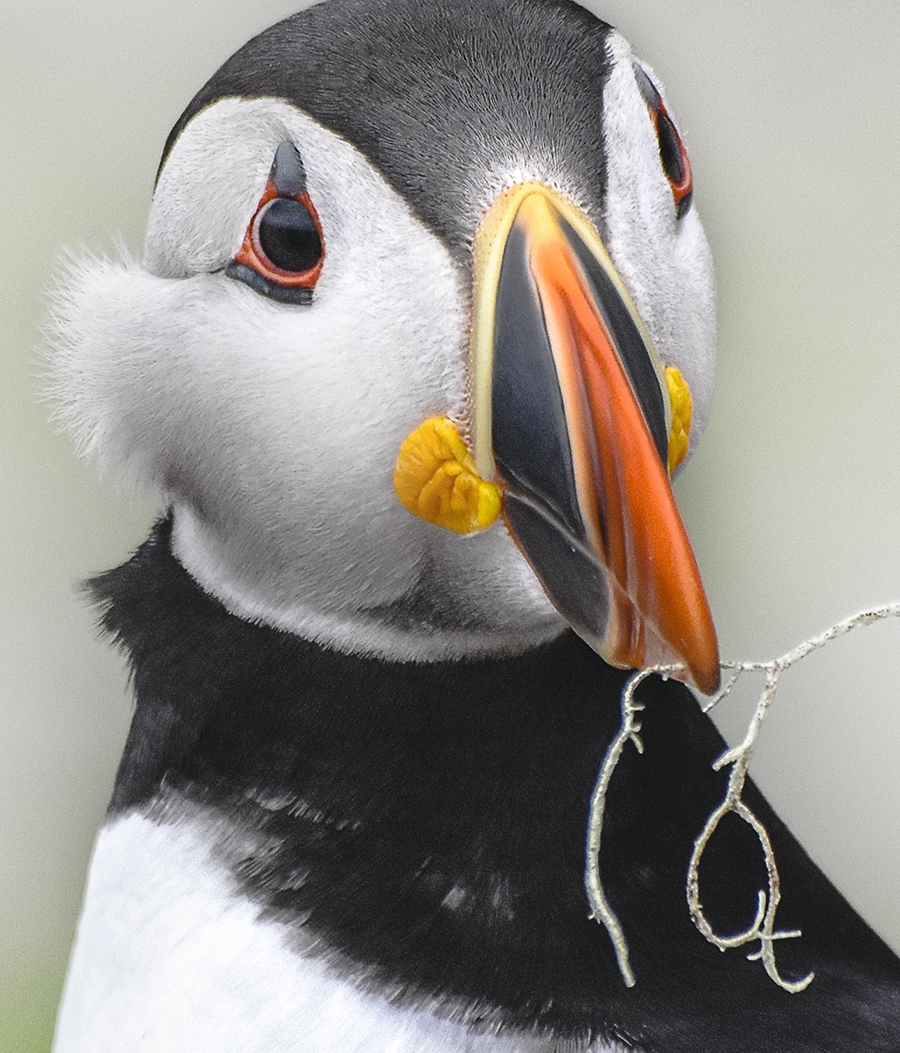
(351, 811)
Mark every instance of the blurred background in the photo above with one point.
(791, 113)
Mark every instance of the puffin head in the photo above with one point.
(376, 214)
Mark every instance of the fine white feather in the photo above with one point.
(274, 428)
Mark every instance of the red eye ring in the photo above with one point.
(672, 152)
(253, 254)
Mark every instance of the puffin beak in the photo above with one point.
(571, 415)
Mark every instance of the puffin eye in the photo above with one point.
(670, 148)
(283, 249)
(672, 152)
(286, 236)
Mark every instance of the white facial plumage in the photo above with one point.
(272, 428)
(665, 261)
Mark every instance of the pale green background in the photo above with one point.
(791, 112)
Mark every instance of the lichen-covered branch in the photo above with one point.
(763, 925)
(601, 911)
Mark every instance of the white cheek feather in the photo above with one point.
(273, 428)
(644, 236)
(159, 905)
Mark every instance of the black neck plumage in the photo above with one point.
(426, 822)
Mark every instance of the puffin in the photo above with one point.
(423, 328)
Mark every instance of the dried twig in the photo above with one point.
(600, 908)
(762, 928)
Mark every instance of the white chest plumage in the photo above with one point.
(170, 957)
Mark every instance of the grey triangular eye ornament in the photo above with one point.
(572, 416)
(283, 250)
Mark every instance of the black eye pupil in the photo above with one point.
(288, 235)
(669, 149)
